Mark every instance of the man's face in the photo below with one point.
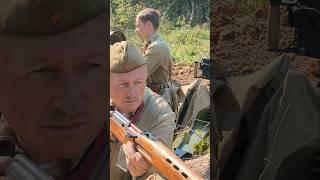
(143, 29)
(53, 90)
(127, 89)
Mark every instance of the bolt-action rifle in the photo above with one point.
(154, 151)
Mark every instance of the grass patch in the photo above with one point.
(203, 147)
(188, 44)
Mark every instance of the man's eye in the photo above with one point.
(42, 70)
(123, 84)
(89, 65)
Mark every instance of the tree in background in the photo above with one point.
(177, 13)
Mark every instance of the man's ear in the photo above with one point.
(149, 24)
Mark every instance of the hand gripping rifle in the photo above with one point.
(155, 152)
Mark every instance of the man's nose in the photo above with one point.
(130, 91)
(68, 97)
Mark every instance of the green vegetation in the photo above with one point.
(246, 6)
(203, 147)
(178, 12)
(184, 25)
(188, 44)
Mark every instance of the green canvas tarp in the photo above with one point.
(263, 118)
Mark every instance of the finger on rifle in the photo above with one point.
(129, 150)
(141, 162)
(5, 162)
(134, 170)
(131, 167)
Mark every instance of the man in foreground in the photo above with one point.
(53, 90)
(146, 109)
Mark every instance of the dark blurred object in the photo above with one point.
(303, 163)
(283, 2)
(304, 16)
(208, 69)
(204, 67)
(117, 36)
(7, 148)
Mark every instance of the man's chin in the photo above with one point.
(45, 150)
(130, 109)
(60, 152)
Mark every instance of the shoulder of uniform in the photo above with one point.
(154, 45)
(154, 99)
(158, 46)
(151, 95)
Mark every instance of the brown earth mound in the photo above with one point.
(240, 41)
(201, 165)
(183, 74)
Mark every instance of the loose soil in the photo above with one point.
(239, 44)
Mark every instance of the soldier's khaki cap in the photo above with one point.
(44, 17)
(125, 57)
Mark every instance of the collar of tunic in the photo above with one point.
(154, 37)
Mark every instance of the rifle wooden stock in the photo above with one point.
(154, 151)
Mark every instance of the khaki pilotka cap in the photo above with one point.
(125, 57)
(44, 17)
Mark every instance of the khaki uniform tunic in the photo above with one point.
(159, 60)
(156, 117)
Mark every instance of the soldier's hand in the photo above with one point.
(112, 138)
(5, 162)
(136, 164)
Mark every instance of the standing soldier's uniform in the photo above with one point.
(158, 56)
(159, 65)
(159, 60)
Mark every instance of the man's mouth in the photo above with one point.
(66, 126)
(130, 101)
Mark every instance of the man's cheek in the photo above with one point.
(112, 92)
(142, 88)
